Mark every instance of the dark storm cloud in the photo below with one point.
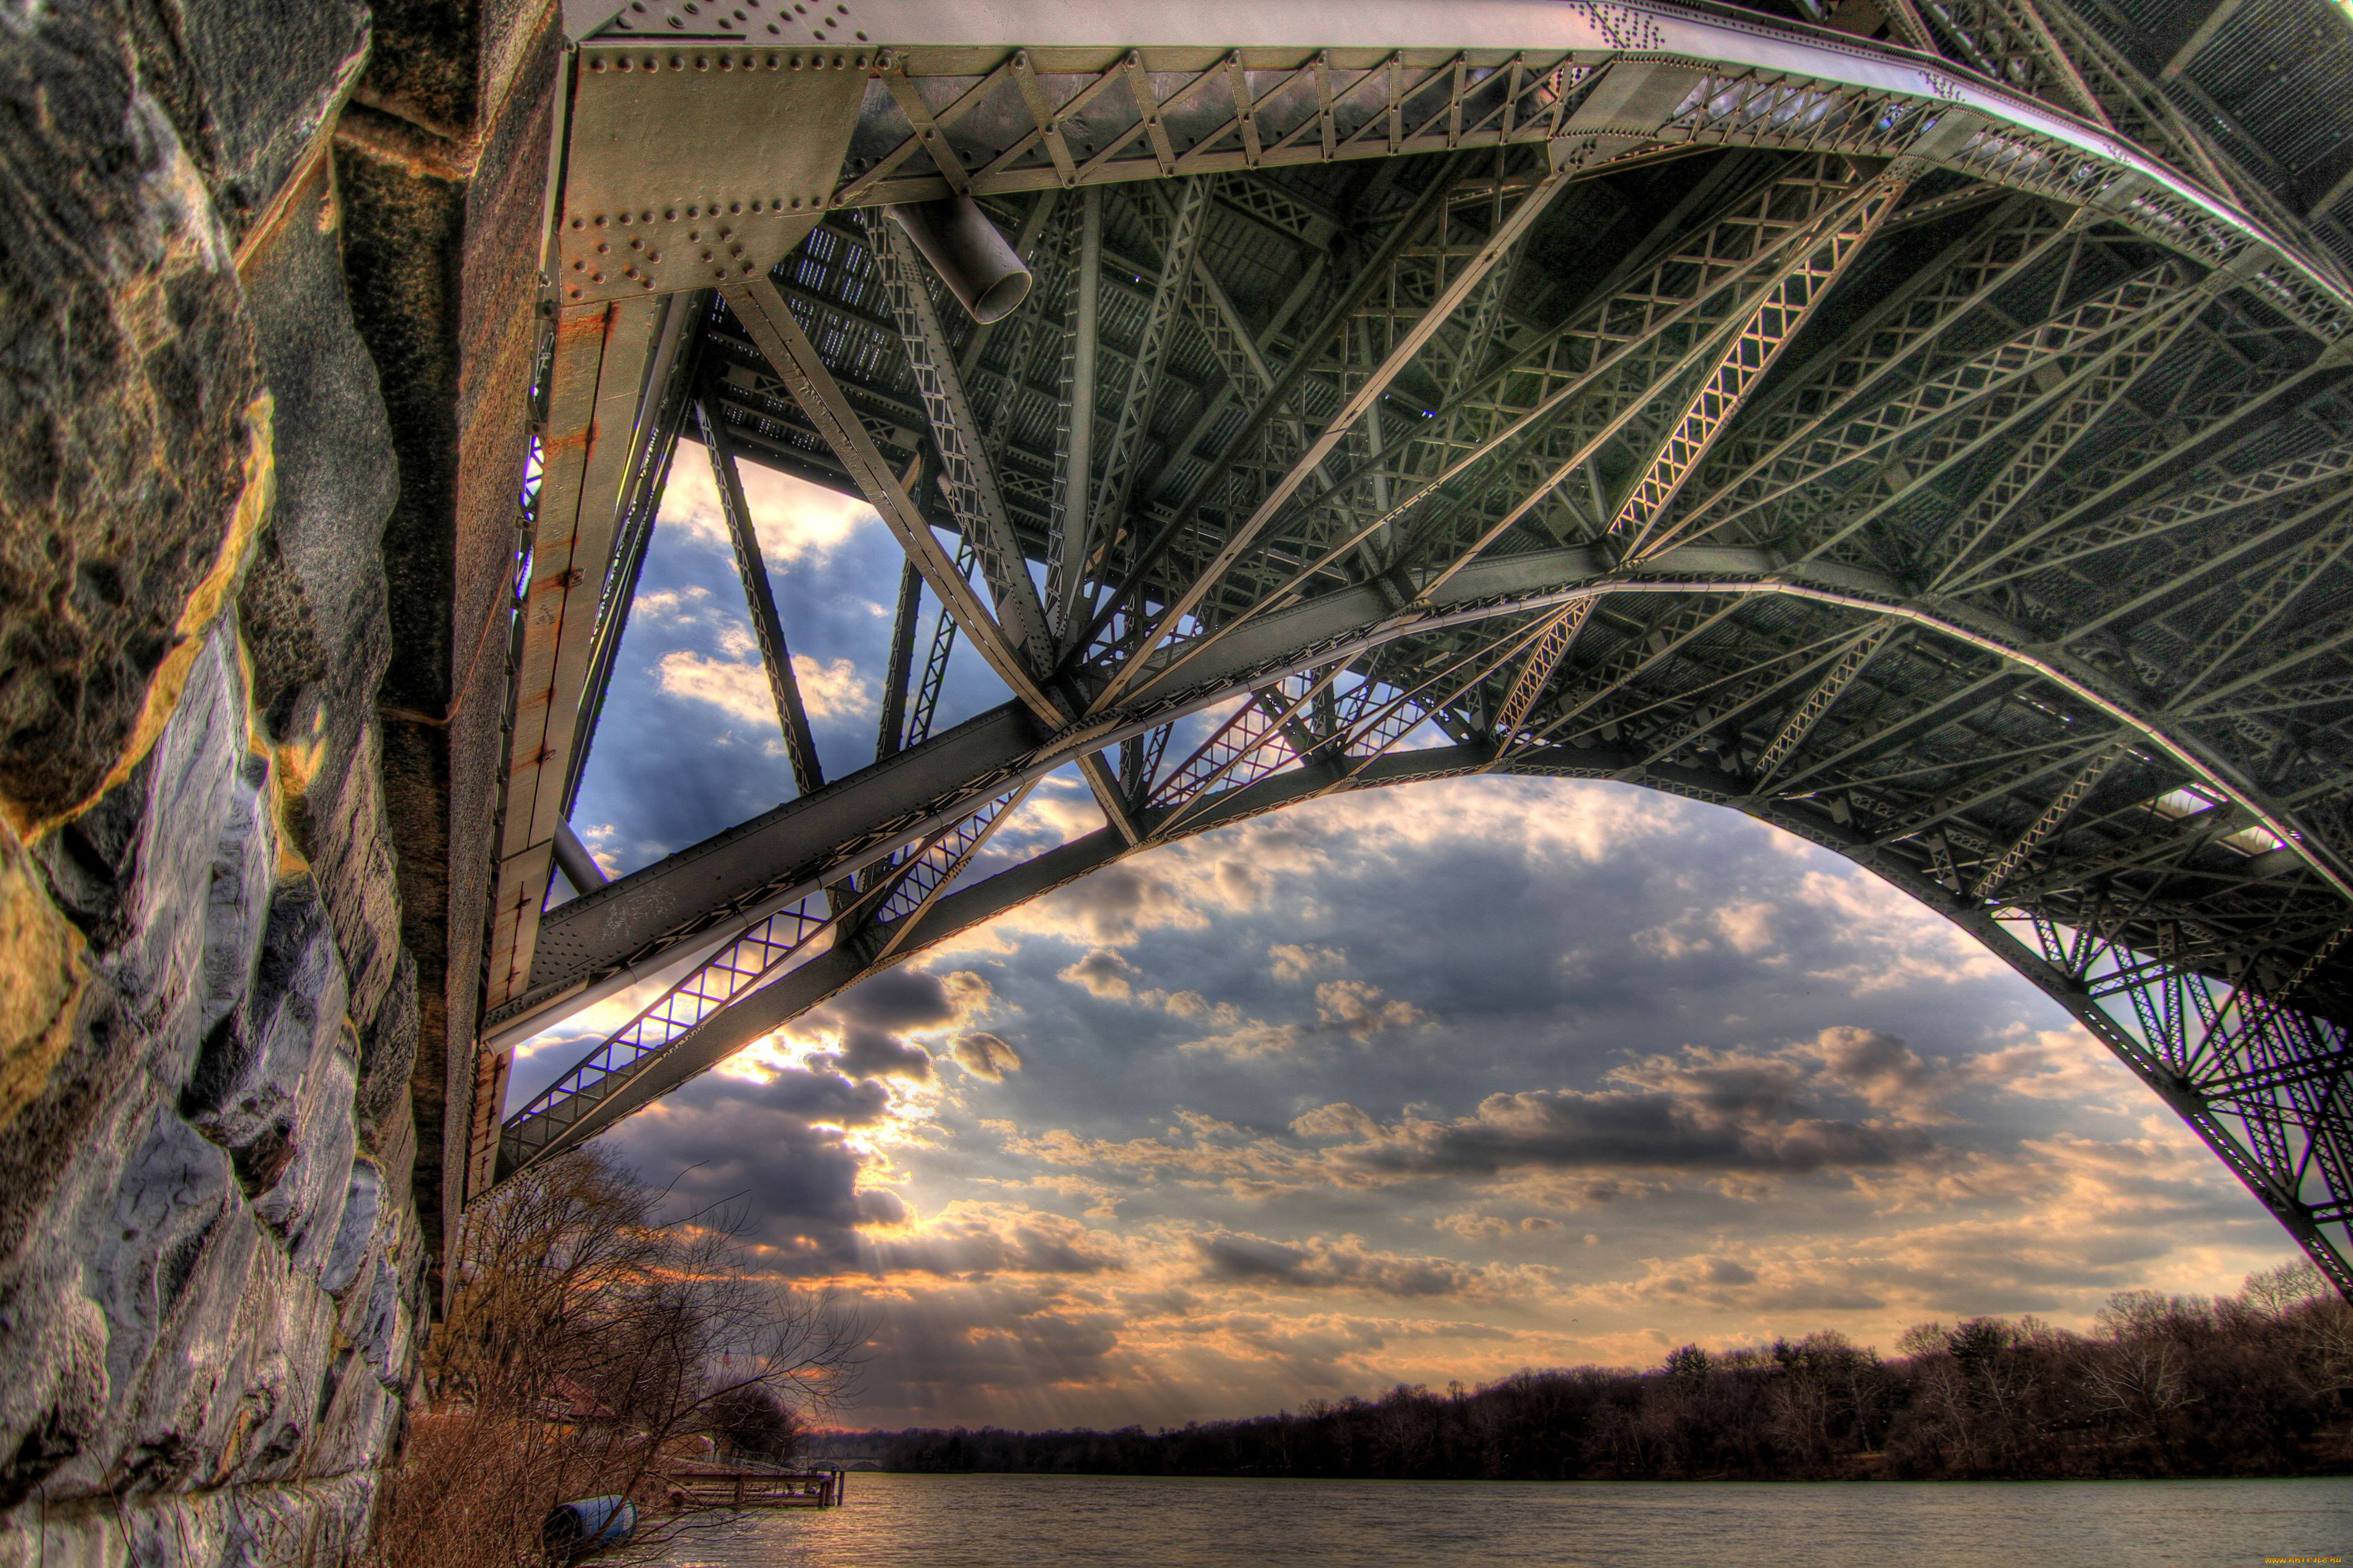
(1730, 1127)
(897, 999)
(1347, 1263)
(1117, 903)
(965, 1346)
(1697, 1109)
(1881, 1069)
(870, 1053)
(776, 1150)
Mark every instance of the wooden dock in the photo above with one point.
(725, 1486)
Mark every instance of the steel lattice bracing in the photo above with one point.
(1946, 457)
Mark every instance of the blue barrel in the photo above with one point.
(575, 1531)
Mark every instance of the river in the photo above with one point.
(1043, 1522)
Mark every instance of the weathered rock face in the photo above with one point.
(211, 1266)
(203, 1287)
(124, 438)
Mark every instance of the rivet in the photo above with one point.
(670, 215)
(702, 64)
(602, 249)
(600, 220)
(595, 277)
(629, 272)
(579, 223)
(576, 293)
(596, 65)
(755, 206)
(645, 218)
(796, 202)
(734, 207)
(653, 256)
(726, 63)
(621, 64)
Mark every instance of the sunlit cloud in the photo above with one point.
(795, 522)
(985, 1056)
(1359, 1007)
(1293, 962)
(737, 683)
(834, 689)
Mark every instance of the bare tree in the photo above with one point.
(590, 1344)
(2316, 1321)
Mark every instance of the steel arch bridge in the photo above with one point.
(1921, 431)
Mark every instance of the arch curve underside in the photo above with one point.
(1917, 435)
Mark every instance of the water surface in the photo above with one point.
(1028, 1521)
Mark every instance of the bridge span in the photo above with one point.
(1922, 427)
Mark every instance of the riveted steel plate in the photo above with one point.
(696, 163)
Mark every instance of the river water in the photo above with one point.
(1043, 1522)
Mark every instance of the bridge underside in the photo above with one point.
(1913, 432)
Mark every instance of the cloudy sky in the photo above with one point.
(1414, 1085)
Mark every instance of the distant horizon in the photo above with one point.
(824, 1431)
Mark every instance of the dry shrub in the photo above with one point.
(589, 1345)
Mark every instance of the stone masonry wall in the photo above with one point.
(212, 1267)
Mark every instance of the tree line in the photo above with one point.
(2252, 1384)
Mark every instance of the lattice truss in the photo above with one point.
(1981, 516)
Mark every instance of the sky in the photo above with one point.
(1419, 1085)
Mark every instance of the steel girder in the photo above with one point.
(1797, 423)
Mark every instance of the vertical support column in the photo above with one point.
(1078, 455)
(768, 627)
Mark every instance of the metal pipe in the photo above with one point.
(969, 253)
(578, 866)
